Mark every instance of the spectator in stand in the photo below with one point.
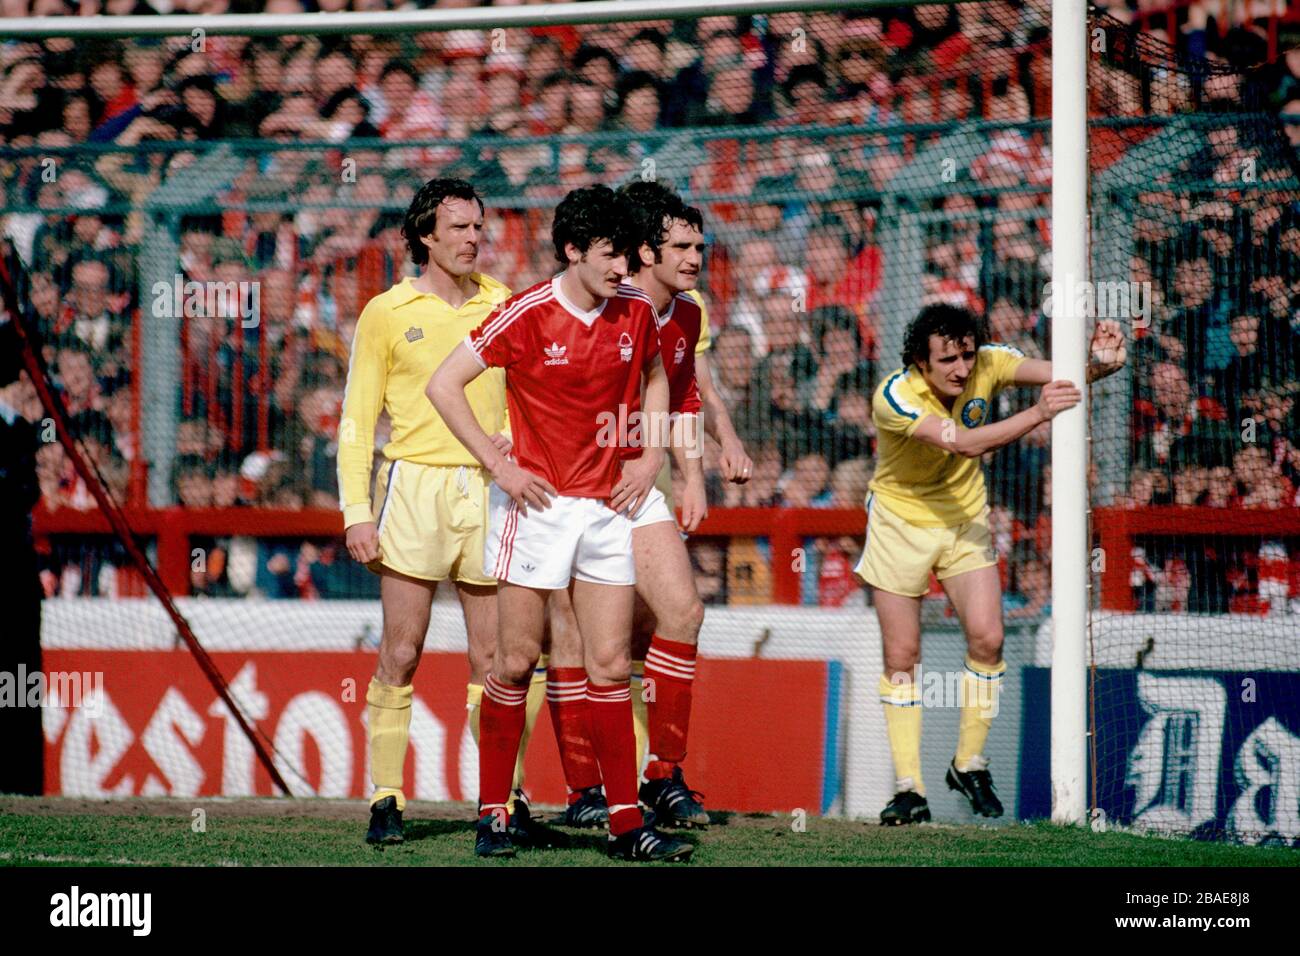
(89, 314)
(1031, 594)
(786, 337)
(586, 106)
(550, 108)
(862, 86)
(1141, 489)
(1013, 325)
(263, 67)
(732, 99)
(335, 71)
(1166, 416)
(1220, 488)
(1191, 482)
(1244, 373)
(689, 89)
(638, 103)
(836, 276)
(636, 110)
(114, 96)
(597, 66)
(645, 53)
(29, 103)
(745, 394)
(840, 358)
(409, 112)
(1262, 486)
(805, 484)
(346, 230)
(843, 378)
(192, 476)
(806, 92)
(206, 111)
(75, 372)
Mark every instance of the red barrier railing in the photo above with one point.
(1117, 527)
(785, 528)
(173, 528)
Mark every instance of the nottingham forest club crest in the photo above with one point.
(973, 412)
(679, 353)
(625, 347)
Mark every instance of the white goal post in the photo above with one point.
(1070, 429)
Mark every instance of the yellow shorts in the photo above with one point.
(432, 521)
(664, 482)
(899, 556)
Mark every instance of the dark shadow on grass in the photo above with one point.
(428, 829)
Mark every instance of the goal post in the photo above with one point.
(1070, 429)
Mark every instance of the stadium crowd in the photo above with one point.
(795, 269)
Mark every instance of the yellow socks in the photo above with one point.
(388, 711)
(473, 697)
(640, 719)
(903, 721)
(980, 687)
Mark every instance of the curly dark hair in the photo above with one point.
(422, 215)
(586, 216)
(945, 321)
(656, 208)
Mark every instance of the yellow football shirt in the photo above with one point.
(402, 337)
(706, 334)
(924, 485)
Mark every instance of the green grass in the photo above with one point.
(322, 833)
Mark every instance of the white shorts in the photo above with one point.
(579, 538)
(653, 510)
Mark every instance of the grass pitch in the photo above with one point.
(253, 832)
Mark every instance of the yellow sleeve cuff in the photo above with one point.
(357, 514)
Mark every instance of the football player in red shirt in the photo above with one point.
(669, 612)
(575, 349)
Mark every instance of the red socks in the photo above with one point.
(609, 707)
(501, 725)
(566, 693)
(671, 664)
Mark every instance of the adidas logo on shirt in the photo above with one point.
(555, 354)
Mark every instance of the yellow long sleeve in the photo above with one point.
(402, 336)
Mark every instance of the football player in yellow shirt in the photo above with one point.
(428, 518)
(928, 511)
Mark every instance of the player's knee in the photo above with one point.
(683, 623)
(901, 664)
(513, 668)
(985, 644)
(398, 661)
(609, 665)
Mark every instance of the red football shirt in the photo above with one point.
(567, 372)
(679, 331)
